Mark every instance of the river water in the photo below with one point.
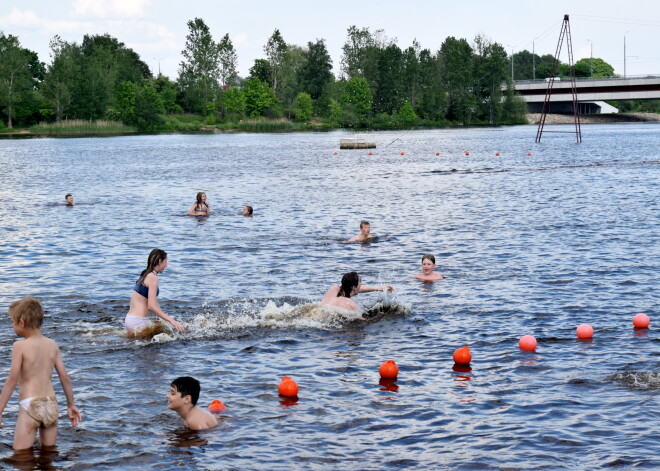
(529, 244)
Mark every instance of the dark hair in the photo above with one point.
(29, 310)
(249, 210)
(67, 195)
(430, 257)
(155, 257)
(348, 282)
(187, 386)
(200, 204)
(364, 223)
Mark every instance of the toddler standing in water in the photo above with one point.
(428, 265)
(32, 364)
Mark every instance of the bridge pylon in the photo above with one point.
(565, 33)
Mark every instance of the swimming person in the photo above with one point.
(351, 285)
(32, 363)
(247, 210)
(428, 265)
(199, 207)
(182, 399)
(144, 296)
(69, 200)
(364, 235)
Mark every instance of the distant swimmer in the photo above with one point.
(428, 265)
(351, 285)
(144, 297)
(364, 235)
(199, 207)
(247, 210)
(69, 200)
(182, 399)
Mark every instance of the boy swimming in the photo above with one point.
(182, 398)
(32, 364)
(364, 235)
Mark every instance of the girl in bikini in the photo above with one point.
(144, 297)
(351, 285)
(200, 208)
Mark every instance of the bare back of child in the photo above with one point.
(32, 365)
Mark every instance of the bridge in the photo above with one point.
(589, 91)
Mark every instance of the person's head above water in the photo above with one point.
(247, 210)
(429, 256)
(201, 198)
(350, 284)
(156, 257)
(365, 228)
(28, 310)
(187, 386)
(69, 199)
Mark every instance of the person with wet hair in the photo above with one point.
(247, 210)
(69, 199)
(351, 285)
(364, 235)
(199, 208)
(144, 297)
(428, 265)
(182, 399)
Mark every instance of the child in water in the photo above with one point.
(182, 398)
(199, 208)
(364, 235)
(247, 210)
(69, 199)
(351, 285)
(32, 364)
(428, 265)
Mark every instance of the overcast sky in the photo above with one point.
(156, 29)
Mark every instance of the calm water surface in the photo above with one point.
(529, 244)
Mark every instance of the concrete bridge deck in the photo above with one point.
(592, 89)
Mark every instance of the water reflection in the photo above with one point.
(32, 459)
(184, 438)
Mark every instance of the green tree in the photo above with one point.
(198, 72)
(149, 108)
(275, 50)
(234, 102)
(166, 89)
(315, 75)
(457, 77)
(357, 102)
(432, 102)
(389, 89)
(411, 72)
(406, 115)
(227, 60)
(490, 71)
(61, 76)
(359, 53)
(595, 67)
(303, 107)
(258, 97)
(15, 76)
(263, 71)
(126, 102)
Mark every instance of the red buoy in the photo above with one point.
(584, 331)
(462, 355)
(388, 370)
(641, 321)
(527, 342)
(287, 387)
(216, 407)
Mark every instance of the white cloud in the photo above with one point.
(239, 39)
(30, 20)
(110, 8)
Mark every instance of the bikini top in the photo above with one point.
(143, 290)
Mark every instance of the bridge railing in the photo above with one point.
(584, 79)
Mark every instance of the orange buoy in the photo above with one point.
(584, 331)
(216, 407)
(462, 356)
(403, 153)
(334, 153)
(388, 370)
(497, 154)
(371, 153)
(529, 153)
(467, 153)
(527, 342)
(287, 387)
(641, 321)
(437, 153)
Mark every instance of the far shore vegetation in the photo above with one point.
(100, 86)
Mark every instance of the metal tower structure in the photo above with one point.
(565, 33)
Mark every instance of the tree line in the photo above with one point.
(379, 84)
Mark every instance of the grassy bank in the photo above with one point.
(79, 127)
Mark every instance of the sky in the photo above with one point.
(157, 29)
